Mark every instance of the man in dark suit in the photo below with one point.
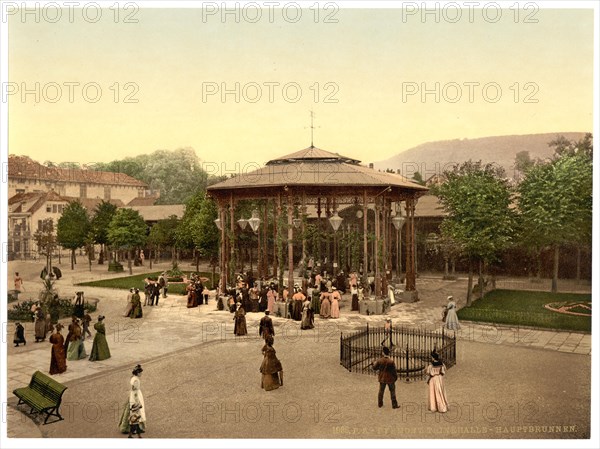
(387, 376)
(265, 327)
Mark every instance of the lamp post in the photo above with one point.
(336, 222)
(398, 221)
(254, 223)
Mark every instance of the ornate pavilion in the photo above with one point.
(326, 182)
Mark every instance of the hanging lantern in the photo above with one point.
(242, 222)
(254, 221)
(398, 221)
(297, 222)
(336, 221)
(218, 223)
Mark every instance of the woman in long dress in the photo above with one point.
(129, 303)
(100, 349)
(135, 397)
(239, 327)
(271, 369)
(40, 324)
(192, 301)
(335, 299)
(325, 310)
(136, 301)
(298, 300)
(58, 358)
(451, 317)
(438, 402)
(307, 316)
(271, 298)
(76, 350)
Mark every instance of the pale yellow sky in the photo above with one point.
(370, 58)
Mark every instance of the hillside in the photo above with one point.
(431, 157)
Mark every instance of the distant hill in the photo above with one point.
(432, 157)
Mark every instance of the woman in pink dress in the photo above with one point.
(438, 402)
(335, 303)
(325, 311)
(271, 298)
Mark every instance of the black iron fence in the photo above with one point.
(409, 348)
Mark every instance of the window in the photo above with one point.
(83, 190)
(55, 208)
(60, 208)
(39, 224)
(106, 193)
(48, 207)
(20, 190)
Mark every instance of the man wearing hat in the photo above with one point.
(265, 327)
(387, 376)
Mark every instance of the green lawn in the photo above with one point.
(526, 308)
(137, 281)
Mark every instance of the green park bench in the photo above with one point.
(43, 395)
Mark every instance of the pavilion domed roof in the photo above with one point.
(313, 154)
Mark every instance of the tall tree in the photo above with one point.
(103, 214)
(45, 240)
(479, 222)
(73, 228)
(163, 234)
(555, 200)
(127, 231)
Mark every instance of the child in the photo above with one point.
(87, 319)
(134, 421)
(19, 335)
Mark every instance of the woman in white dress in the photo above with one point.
(135, 397)
(451, 317)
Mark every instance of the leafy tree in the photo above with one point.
(163, 234)
(555, 200)
(197, 229)
(45, 240)
(177, 174)
(103, 214)
(479, 222)
(73, 227)
(127, 230)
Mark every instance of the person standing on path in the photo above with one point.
(19, 336)
(265, 327)
(87, 319)
(239, 317)
(58, 357)
(438, 402)
(40, 324)
(18, 282)
(451, 316)
(271, 369)
(76, 349)
(135, 398)
(335, 299)
(100, 350)
(387, 377)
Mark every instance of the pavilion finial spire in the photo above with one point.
(312, 128)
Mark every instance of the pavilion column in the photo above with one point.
(223, 248)
(411, 287)
(232, 238)
(265, 249)
(276, 212)
(290, 239)
(302, 229)
(365, 238)
(377, 239)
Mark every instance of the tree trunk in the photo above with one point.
(446, 266)
(481, 280)
(539, 267)
(150, 257)
(197, 260)
(470, 284)
(129, 256)
(72, 259)
(555, 271)
(212, 280)
(578, 272)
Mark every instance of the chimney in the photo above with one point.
(370, 164)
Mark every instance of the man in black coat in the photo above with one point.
(265, 327)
